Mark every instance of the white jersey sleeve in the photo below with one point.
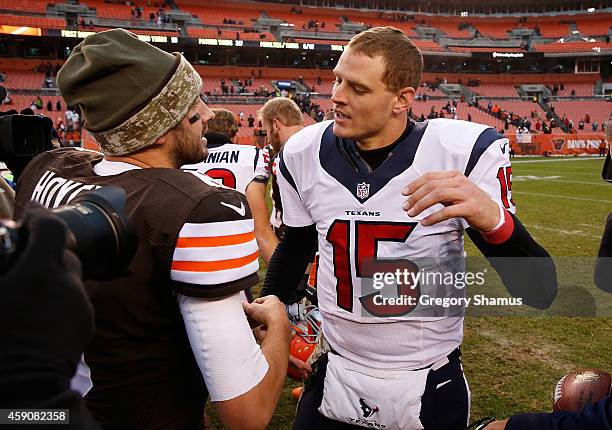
(295, 213)
(492, 171)
(263, 169)
(230, 359)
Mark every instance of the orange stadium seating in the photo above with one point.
(448, 26)
(582, 89)
(496, 90)
(574, 47)
(598, 111)
(324, 88)
(482, 49)
(33, 21)
(521, 108)
(300, 22)
(118, 11)
(214, 12)
(594, 25)
(35, 6)
(549, 28)
(427, 45)
(372, 20)
(494, 27)
(19, 79)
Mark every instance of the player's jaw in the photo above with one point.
(343, 123)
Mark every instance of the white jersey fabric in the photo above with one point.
(267, 167)
(232, 165)
(320, 186)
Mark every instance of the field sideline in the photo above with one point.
(512, 364)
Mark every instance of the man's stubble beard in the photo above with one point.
(188, 150)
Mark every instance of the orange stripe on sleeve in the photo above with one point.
(213, 266)
(203, 242)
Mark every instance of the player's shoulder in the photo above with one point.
(306, 139)
(456, 136)
(184, 184)
(236, 147)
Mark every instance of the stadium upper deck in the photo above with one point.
(572, 31)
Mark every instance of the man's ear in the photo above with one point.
(276, 124)
(405, 97)
(164, 139)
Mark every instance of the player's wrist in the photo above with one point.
(280, 324)
(502, 231)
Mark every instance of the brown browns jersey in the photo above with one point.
(142, 367)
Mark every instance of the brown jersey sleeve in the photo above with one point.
(216, 252)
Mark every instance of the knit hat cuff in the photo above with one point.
(161, 114)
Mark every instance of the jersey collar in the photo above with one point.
(340, 159)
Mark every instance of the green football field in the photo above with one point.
(513, 363)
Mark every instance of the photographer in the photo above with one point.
(173, 329)
(46, 321)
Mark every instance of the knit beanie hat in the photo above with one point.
(130, 92)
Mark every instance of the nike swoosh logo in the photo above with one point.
(442, 384)
(239, 210)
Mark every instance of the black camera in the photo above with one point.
(24, 136)
(98, 232)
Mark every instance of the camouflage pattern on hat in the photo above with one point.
(160, 115)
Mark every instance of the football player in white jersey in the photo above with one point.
(236, 166)
(373, 185)
(228, 163)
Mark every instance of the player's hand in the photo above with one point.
(496, 425)
(460, 196)
(266, 311)
(303, 368)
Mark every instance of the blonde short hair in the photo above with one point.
(283, 109)
(403, 60)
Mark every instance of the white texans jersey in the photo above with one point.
(231, 165)
(266, 168)
(360, 216)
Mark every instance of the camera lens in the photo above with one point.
(99, 232)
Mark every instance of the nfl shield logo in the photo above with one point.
(363, 190)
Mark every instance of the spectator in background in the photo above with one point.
(58, 106)
(49, 105)
(595, 125)
(581, 124)
(251, 120)
(469, 117)
(587, 118)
